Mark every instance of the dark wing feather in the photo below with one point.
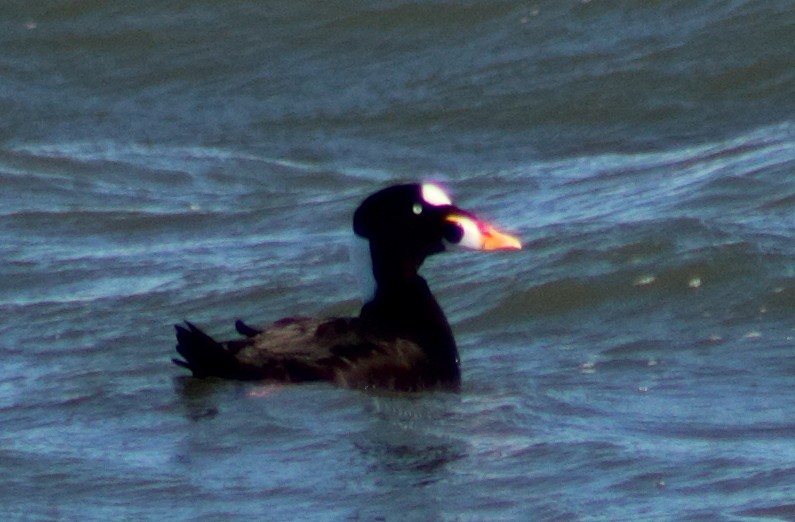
(244, 329)
(205, 357)
(343, 351)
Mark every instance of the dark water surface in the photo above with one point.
(200, 160)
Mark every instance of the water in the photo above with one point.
(201, 160)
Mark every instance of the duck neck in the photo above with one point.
(404, 306)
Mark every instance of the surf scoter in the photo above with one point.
(401, 339)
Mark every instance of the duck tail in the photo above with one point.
(203, 355)
(246, 330)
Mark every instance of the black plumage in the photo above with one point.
(401, 339)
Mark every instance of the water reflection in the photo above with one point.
(309, 443)
(407, 453)
(197, 397)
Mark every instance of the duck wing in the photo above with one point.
(340, 350)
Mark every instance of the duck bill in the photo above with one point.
(493, 239)
(479, 235)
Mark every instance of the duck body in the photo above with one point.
(401, 339)
(352, 352)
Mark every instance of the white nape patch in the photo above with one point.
(434, 195)
(362, 265)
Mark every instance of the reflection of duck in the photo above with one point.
(401, 339)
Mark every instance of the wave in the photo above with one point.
(632, 270)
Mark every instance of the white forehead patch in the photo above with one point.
(434, 195)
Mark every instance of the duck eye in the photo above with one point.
(417, 209)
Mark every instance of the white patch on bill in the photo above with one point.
(472, 237)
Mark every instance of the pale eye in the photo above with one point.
(417, 209)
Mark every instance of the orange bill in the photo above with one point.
(481, 236)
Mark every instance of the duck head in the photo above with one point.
(404, 224)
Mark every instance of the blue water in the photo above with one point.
(201, 161)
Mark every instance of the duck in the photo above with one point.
(401, 340)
